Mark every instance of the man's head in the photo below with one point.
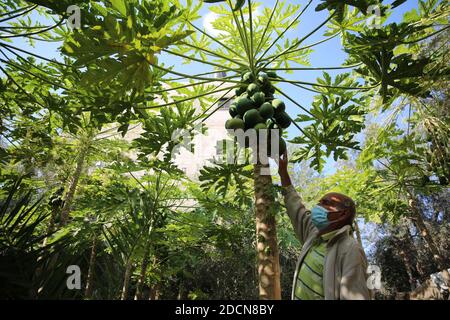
(340, 211)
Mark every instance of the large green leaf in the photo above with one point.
(125, 46)
(403, 72)
(335, 118)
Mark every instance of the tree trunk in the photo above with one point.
(407, 263)
(73, 185)
(266, 237)
(90, 277)
(420, 224)
(126, 280)
(410, 239)
(51, 225)
(180, 291)
(408, 267)
(144, 265)
(154, 288)
(154, 292)
(56, 205)
(408, 250)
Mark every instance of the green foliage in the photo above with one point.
(166, 129)
(336, 116)
(339, 6)
(226, 178)
(375, 48)
(381, 52)
(124, 44)
(24, 261)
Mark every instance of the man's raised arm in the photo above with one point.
(301, 221)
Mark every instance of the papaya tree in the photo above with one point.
(254, 51)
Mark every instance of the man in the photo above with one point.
(332, 265)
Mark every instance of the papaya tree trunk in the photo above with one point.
(409, 250)
(144, 266)
(126, 280)
(266, 237)
(425, 233)
(155, 287)
(73, 185)
(91, 270)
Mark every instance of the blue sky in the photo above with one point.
(329, 53)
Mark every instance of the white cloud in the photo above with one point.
(209, 18)
(258, 12)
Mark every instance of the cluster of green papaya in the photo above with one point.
(436, 160)
(255, 106)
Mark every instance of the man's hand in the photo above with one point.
(283, 162)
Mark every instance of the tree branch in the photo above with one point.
(301, 40)
(33, 33)
(27, 9)
(284, 31)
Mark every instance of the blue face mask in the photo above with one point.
(319, 216)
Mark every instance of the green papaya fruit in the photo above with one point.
(252, 89)
(248, 77)
(258, 98)
(233, 110)
(252, 117)
(266, 110)
(278, 105)
(260, 126)
(283, 120)
(263, 77)
(272, 74)
(234, 124)
(243, 105)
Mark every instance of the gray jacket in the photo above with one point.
(344, 275)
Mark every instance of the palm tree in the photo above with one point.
(21, 249)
